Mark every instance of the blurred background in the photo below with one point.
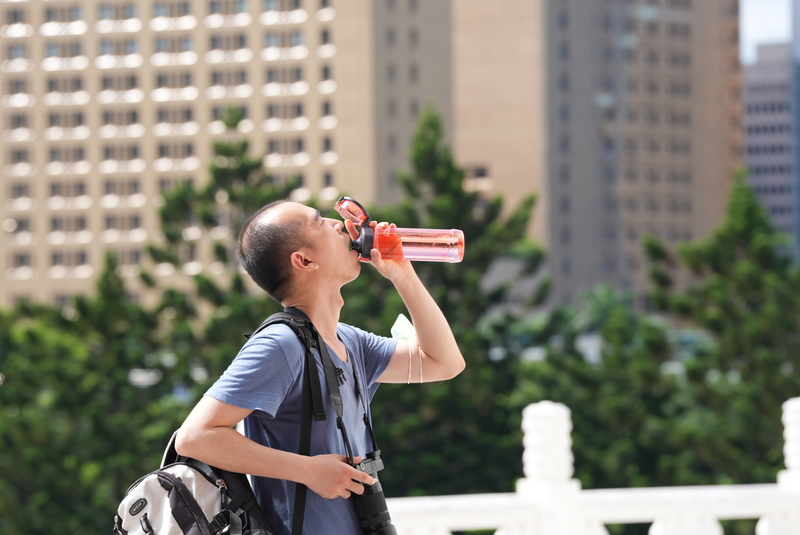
(625, 172)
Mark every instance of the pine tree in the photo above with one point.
(745, 294)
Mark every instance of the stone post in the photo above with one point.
(548, 465)
(787, 523)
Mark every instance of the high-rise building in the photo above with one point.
(624, 117)
(768, 138)
(107, 103)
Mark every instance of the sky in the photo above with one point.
(763, 22)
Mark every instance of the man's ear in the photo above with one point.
(301, 261)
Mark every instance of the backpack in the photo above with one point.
(188, 497)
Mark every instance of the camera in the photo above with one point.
(371, 505)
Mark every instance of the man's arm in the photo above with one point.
(441, 357)
(208, 436)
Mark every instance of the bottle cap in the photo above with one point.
(351, 210)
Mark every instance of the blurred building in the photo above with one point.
(624, 117)
(768, 137)
(107, 103)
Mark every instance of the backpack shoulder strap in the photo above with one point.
(305, 332)
(312, 396)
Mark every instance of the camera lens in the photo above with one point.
(372, 510)
(371, 505)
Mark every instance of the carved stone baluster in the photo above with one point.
(687, 525)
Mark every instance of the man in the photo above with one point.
(303, 260)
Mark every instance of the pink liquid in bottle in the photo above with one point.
(419, 244)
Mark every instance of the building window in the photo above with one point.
(19, 260)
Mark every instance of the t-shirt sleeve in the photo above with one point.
(262, 373)
(376, 352)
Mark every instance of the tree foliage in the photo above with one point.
(745, 293)
(74, 431)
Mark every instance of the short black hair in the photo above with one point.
(264, 250)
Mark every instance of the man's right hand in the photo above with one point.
(331, 477)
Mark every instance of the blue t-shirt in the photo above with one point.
(266, 377)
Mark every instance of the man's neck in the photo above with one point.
(322, 308)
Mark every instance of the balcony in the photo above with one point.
(329, 122)
(326, 87)
(16, 135)
(110, 96)
(21, 273)
(165, 59)
(229, 91)
(73, 98)
(23, 238)
(218, 127)
(163, 24)
(53, 29)
(326, 51)
(76, 63)
(16, 65)
(176, 129)
(121, 131)
(68, 272)
(277, 53)
(137, 200)
(241, 55)
(118, 236)
(173, 94)
(21, 204)
(299, 159)
(16, 30)
(18, 100)
(286, 125)
(118, 26)
(122, 166)
(81, 167)
(58, 133)
(328, 158)
(127, 61)
(19, 169)
(58, 202)
(549, 502)
(275, 89)
(218, 20)
(59, 237)
(163, 165)
(326, 14)
(270, 18)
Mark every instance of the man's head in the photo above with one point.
(284, 240)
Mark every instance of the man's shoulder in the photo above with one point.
(278, 335)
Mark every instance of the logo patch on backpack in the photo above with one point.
(137, 506)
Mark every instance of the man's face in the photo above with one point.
(329, 243)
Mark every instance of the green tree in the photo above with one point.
(74, 431)
(744, 291)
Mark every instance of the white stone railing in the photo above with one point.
(549, 502)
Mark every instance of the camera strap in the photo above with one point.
(332, 376)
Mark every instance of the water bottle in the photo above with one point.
(429, 245)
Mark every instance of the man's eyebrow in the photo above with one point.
(317, 216)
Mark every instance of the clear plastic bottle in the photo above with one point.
(429, 245)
